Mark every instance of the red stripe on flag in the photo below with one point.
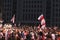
(42, 18)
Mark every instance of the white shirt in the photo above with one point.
(53, 36)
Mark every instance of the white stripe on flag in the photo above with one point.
(13, 19)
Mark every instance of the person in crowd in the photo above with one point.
(1, 35)
(12, 35)
(58, 38)
(53, 36)
(49, 36)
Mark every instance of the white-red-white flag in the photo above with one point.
(13, 19)
(42, 19)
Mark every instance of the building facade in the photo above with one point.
(8, 9)
(55, 12)
(27, 11)
(0, 8)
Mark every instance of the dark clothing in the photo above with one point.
(28, 37)
(12, 36)
(40, 33)
(19, 36)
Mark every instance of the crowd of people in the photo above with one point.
(25, 32)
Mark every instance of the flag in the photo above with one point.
(40, 17)
(13, 19)
(42, 20)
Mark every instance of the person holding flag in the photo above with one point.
(13, 19)
(43, 22)
(42, 26)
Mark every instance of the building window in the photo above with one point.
(23, 2)
(34, 6)
(34, 10)
(34, 1)
(31, 10)
(29, 6)
(26, 2)
(41, 1)
(53, 5)
(26, 6)
(56, 4)
(56, 10)
(38, 6)
(37, 1)
(23, 10)
(56, 0)
(23, 6)
(38, 10)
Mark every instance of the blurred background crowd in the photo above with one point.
(25, 32)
